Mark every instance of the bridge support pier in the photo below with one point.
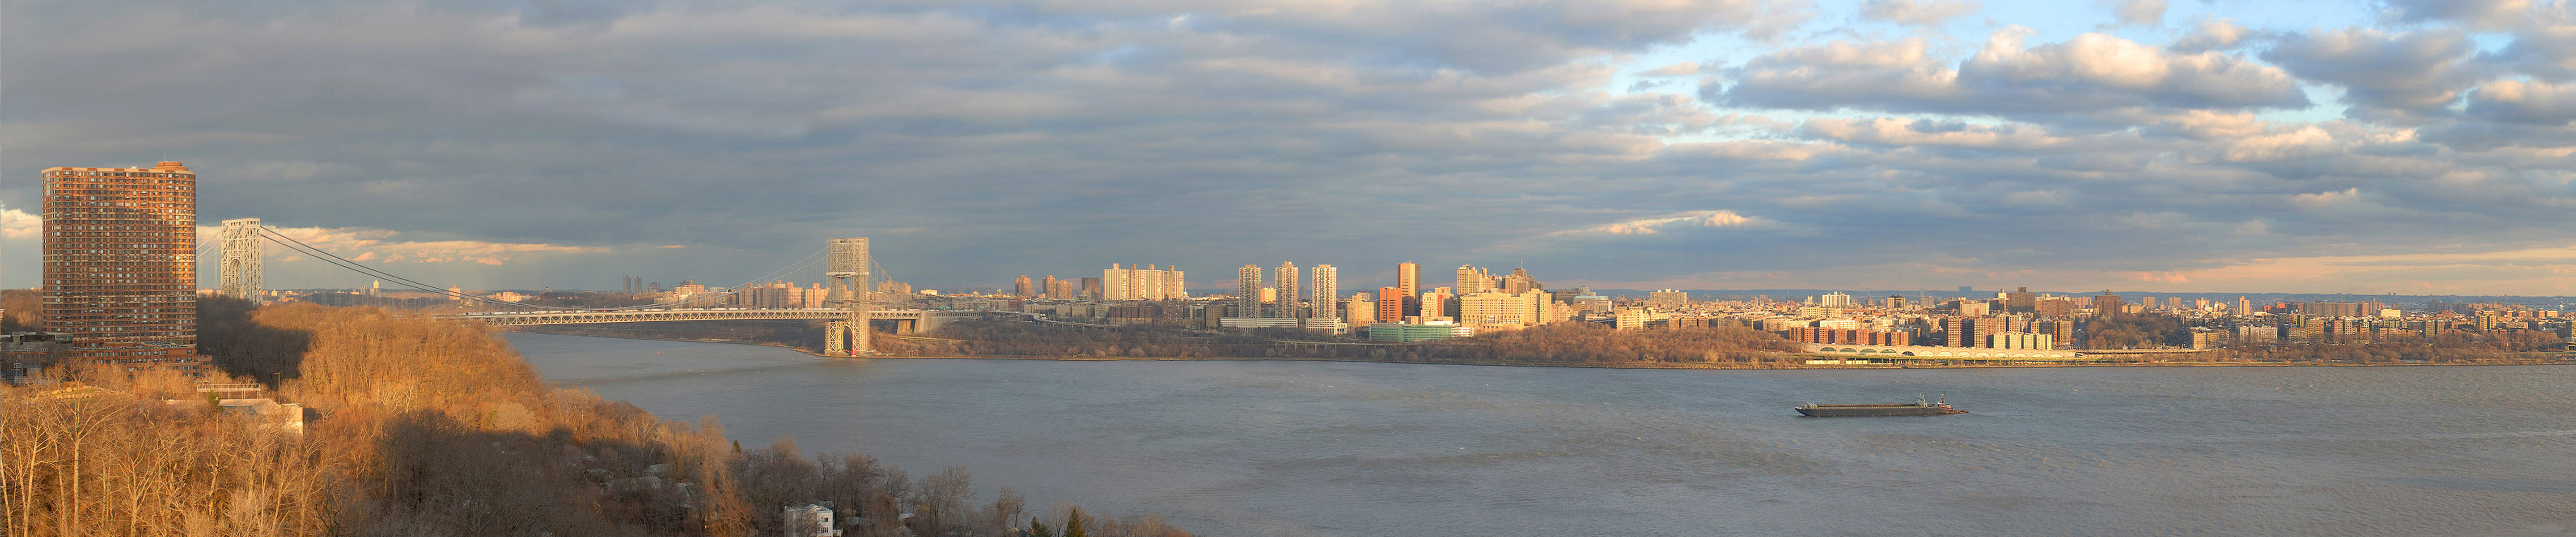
(848, 270)
(846, 338)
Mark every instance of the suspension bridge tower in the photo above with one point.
(240, 269)
(848, 269)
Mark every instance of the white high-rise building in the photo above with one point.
(1285, 277)
(1327, 292)
(1147, 283)
(1247, 291)
(1836, 300)
(1113, 283)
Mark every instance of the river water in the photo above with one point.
(1336, 448)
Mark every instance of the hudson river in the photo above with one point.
(1336, 448)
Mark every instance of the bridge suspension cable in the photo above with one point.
(290, 242)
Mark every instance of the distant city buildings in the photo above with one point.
(1360, 310)
(1437, 305)
(1060, 289)
(1472, 280)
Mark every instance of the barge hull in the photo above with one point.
(1838, 411)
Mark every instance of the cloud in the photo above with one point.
(2486, 14)
(2212, 34)
(1892, 131)
(17, 224)
(388, 246)
(2407, 77)
(2531, 271)
(1678, 69)
(574, 143)
(2089, 73)
(2328, 200)
(1651, 226)
(2137, 12)
(2537, 103)
(1916, 12)
(2290, 144)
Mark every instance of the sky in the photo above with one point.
(2415, 147)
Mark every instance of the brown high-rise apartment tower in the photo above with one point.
(120, 267)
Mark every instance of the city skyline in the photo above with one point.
(2400, 147)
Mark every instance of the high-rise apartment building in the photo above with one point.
(1836, 299)
(1667, 299)
(1472, 280)
(1059, 289)
(1024, 287)
(1247, 291)
(2021, 300)
(2107, 305)
(1503, 310)
(1285, 278)
(120, 265)
(1327, 290)
(1520, 282)
(1147, 283)
(1968, 331)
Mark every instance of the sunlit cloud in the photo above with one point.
(1650, 226)
(389, 246)
(17, 224)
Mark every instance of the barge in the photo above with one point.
(1916, 408)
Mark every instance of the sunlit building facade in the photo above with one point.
(120, 266)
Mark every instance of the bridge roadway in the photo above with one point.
(533, 318)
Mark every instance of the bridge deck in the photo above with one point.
(530, 318)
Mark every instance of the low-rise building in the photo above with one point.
(1408, 333)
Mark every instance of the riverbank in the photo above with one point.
(1650, 365)
(1283, 448)
(639, 335)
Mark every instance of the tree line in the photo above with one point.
(428, 427)
(2443, 347)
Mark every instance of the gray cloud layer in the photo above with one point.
(977, 142)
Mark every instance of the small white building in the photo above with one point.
(811, 520)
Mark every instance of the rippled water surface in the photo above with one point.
(1331, 448)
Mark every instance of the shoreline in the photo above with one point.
(1497, 363)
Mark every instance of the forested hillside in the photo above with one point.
(425, 427)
